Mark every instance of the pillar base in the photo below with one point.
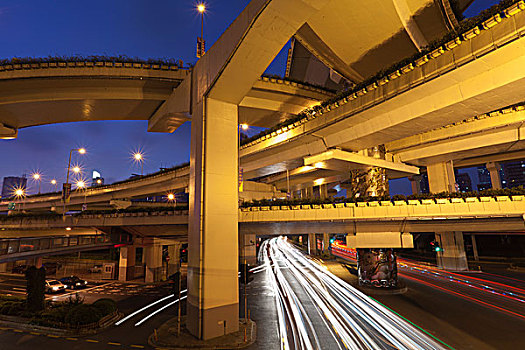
(451, 263)
(377, 267)
(153, 274)
(216, 322)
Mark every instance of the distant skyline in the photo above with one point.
(135, 28)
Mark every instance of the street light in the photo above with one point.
(201, 49)
(77, 169)
(37, 177)
(66, 190)
(139, 157)
(54, 183)
(19, 193)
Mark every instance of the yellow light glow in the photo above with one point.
(171, 196)
(319, 165)
(76, 169)
(201, 8)
(19, 192)
(318, 182)
(244, 126)
(81, 184)
(68, 228)
(53, 182)
(137, 156)
(82, 150)
(99, 181)
(36, 176)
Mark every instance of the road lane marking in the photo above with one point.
(72, 339)
(138, 346)
(53, 336)
(92, 341)
(115, 344)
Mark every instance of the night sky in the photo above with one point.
(135, 28)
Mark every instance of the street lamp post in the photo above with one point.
(66, 190)
(54, 183)
(37, 177)
(139, 158)
(201, 49)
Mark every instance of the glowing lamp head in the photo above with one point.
(68, 228)
(81, 184)
(99, 181)
(201, 8)
(82, 150)
(53, 182)
(76, 170)
(171, 196)
(19, 192)
(36, 176)
(137, 156)
(244, 126)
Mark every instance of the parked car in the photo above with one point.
(54, 286)
(20, 269)
(73, 282)
(96, 268)
(51, 267)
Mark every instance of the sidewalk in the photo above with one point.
(166, 337)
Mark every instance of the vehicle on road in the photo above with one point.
(54, 286)
(73, 282)
(96, 268)
(20, 269)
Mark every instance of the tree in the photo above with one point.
(36, 280)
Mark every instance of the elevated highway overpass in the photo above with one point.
(482, 72)
(466, 77)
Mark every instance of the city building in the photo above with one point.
(513, 174)
(483, 178)
(464, 182)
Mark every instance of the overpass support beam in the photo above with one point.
(495, 179)
(441, 177)
(312, 244)
(174, 254)
(372, 182)
(377, 267)
(213, 284)
(126, 269)
(153, 258)
(326, 242)
(452, 255)
(248, 249)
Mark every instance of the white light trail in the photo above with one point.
(351, 318)
(159, 310)
(145, 308)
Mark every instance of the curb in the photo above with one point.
(19, 326)
(163, 346)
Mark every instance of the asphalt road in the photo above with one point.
(129, 297)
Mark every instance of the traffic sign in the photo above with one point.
(11, 206)
(66, 192)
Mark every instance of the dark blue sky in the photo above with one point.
(136, 28)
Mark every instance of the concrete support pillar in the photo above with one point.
(415, 183)
(312, 244)
(372, 182)
(474, 247)
(377, 267)
(495, 179)
(323, 191)
(452, 255)
(326, 242)
(441, 177)
(153, 258)
(174, 258)
(213, 283)
(247, 249)
(126, 270)
(3, 267)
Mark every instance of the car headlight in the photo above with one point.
(55, 288)
(78, 284)
(85, 282)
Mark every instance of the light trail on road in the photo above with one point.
(492, 294)
(317, 310)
